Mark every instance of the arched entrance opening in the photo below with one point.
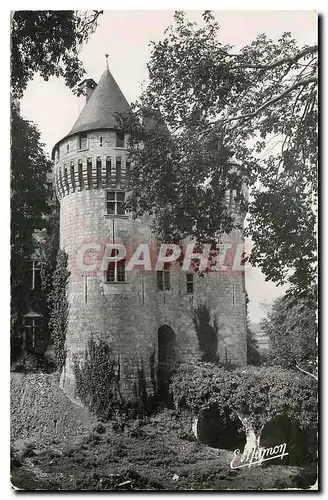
(219, 431)
(301, 445)
(166, 361)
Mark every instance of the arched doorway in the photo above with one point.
(166, 360)
(301, 445)
(219, 431)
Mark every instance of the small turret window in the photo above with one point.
(100, 142)
(83, 141)
(190, 282)
(115, 203)
(119, 139)
(34, 278)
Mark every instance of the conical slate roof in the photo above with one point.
(106, 100)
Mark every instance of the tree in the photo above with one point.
(253, 355)
(48, 248)
(45, 42)
(29, 207)
(97, 379)
(30, 169)
(231, 120)
(291, 327)
(254, 396)
(48, 42)
(207, 333)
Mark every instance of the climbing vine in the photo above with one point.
(254, 396)
(207, 333)
(97, 379)
(59, 308)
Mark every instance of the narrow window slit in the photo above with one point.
(89, 172)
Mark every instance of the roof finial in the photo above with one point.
(107, 55)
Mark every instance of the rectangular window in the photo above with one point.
(116, 270)
(115, 202)
(163, 278)
(118, 171)
(119, 139)
(35, 275)
(83, 141)
(32, 326)
(160, 283)
(100, 142)
(67, 148)
(120, 267)
(190, 282)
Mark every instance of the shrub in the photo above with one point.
(32, 363)
(207, 334)
(252, 395)
(97, 380)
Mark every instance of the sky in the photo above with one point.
(125, 35)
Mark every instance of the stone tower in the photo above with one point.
(145, 316)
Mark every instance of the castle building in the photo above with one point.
(146, 316)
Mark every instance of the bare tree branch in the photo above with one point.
(248, 116)
(279, 62)
(307, 373)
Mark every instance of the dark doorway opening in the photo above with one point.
(301, 445)
(220, 431)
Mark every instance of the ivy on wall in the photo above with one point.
(59, 308)
(97, 377)
(207, 333)
(97, 380)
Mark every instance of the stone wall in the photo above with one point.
(128, 315)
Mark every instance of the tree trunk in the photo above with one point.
(194, 425)
(252, 446)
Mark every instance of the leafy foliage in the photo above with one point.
(207, 334)
(97, 380)
(48, 42)
(29, 191)
(48, 249)
(216, 109)
(253, 355)
(291, 327)
(59, 307)
(29, 208)
(258, 393)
